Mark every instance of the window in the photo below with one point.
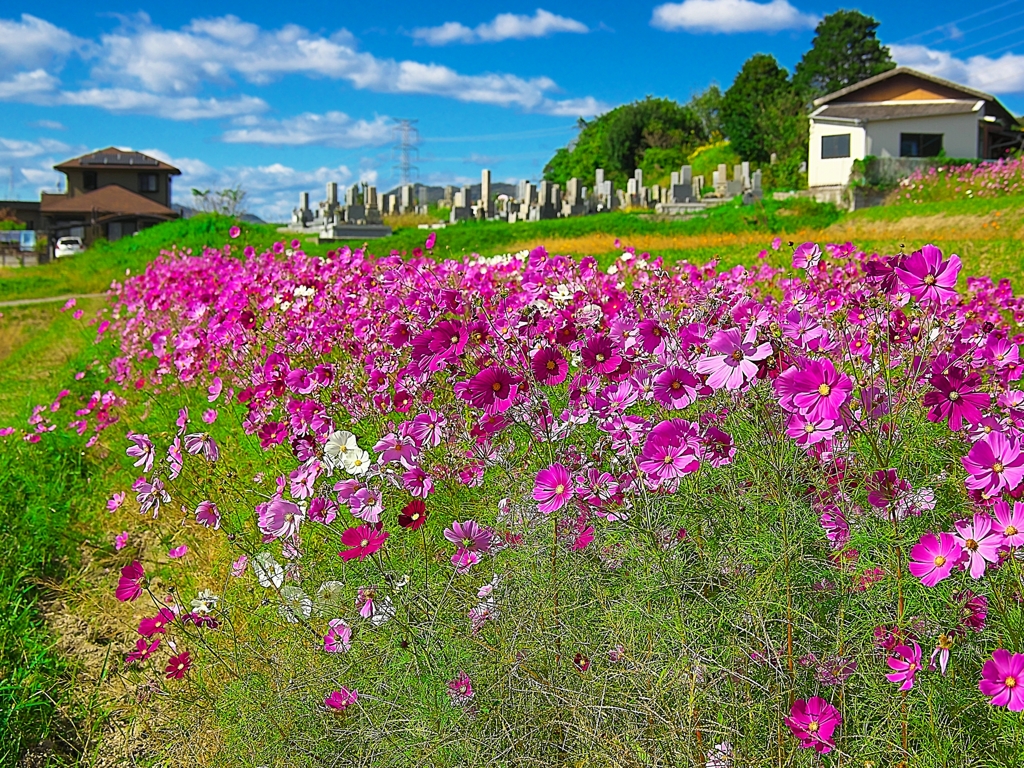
(147, 182)
(835, 146)
(920, 144)
(89, 180)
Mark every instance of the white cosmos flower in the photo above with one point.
(269, 572)
(328, 597)
(296, 603)
(205, 601)
(356, 462)
(383, 612)
(339, 444)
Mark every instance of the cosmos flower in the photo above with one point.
(413, 515)
(933, 558)
(178, 666)
(906, 662)
(361, 542)
(339, 636)
(814, 722)
(469, 536)
(342, 699)
(732, 358)
(493, 389)
(460, 690)
(1010, 522)
(956, 398)
(1002, 680)
(994, 464)
(979, 541)
(549, 366)
(552, 488)
(129, 587)
(927, 276)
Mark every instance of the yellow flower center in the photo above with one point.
(364, 542)
(181, 665)
(415, 516)
(929, 279)
(812, 727)
(940, 561)
(599, 357)
(737, 355)
(954, 396)
(997, 467)
(559, 489)
(676, 385)
(971, 544)
(496, 386)
(808, 428)
(1010, 682)
(1011, 530)
(668, 459)
(824, 390)
(551, 365)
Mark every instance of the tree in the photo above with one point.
(227, 202)
(759, 112)
(707, 106)
(618, 141)
(845, 51)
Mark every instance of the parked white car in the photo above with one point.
(68, 246)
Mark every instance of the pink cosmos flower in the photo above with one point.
(430, 241)
(670, 451)
(469, 536)
(114, 502)
(142, 450)
(235, 231)
(814, 721)
(807, 432)
(675, 387)
(652, 336)
(129, 587)
(549, 366)
(973, 609)
(464, 560)
(143, 650)
(907, 663)
(1010, 523)
(339, 636)
(980, 543)
(732, 358)
(942, 648)
(955, 397)
(927, 276)
(121, 540)
(1002, 680)
(934, 557)
(994, 464)
(460, 690)
(279, 518)
(238, 567)
(341, 699)
(156, 625)
(361, 542)
(209, 416)
(177, 552)
(806, 255)
(552, 488)
(820, 390)
(492, 389)
(178, 665)
(208, 515)
(201, 442)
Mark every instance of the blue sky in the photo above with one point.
(281, 100)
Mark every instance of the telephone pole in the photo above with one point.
(407, 139)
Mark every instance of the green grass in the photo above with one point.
(46, 494)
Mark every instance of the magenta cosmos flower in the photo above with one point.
(995, 464)
(955, 397)
(492, 389)
(341, 699)
(460, 690)
(178, 665)
(129, 586)
(1010, 522)
(339, 636)
(813, 722)
(980, 541)
(469, 536)
(927, 276)
(906, 662)
(934, 557)
(549, 366)
(732, 358)
(600, 355)
(670, 450)
(552, 488)
(820, 390)
(156, 625)
(1002, 679)
(675, 387)
(361, 542)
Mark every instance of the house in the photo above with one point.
(904, 113)
(110, 193)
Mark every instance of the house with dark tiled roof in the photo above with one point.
(904, 113)
(110, 193)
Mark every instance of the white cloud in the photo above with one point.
(730, 16)
(504, 26)
(31, 164)
(216, 50)
(28, 86)
(1002, 75)
(50, 125)
(333, 129)
(32, 43)
(125, 100)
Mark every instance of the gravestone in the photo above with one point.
(485, 194)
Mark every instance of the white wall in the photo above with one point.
(834, 170)
(959, 134)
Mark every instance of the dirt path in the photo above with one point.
(49, 299)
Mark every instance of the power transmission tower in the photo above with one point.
(407, 139)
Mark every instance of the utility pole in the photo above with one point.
(407, 139)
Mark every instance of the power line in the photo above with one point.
(989, 40)
(956, 21)
(537, 133)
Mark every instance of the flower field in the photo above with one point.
(525, 510)
(958, 182)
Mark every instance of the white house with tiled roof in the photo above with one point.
(904, 113)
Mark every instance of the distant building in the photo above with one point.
(110, 193)
(903, 113)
